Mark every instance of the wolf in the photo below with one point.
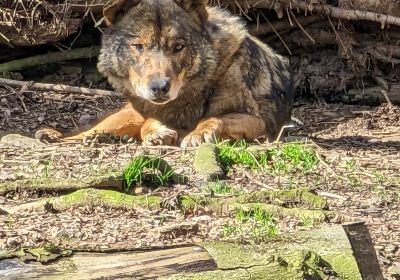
(191, 73)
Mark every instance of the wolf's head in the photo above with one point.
(154, 47)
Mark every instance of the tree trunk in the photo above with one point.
(316, 254)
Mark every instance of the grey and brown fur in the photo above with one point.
(219, 74)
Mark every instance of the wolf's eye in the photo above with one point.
(178, 48)
(138, 47)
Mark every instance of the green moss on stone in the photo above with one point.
(206, 163)
(108, 198)
(314, 216)
(90, 196)
(300, 196)
(318, 254)
(43, 254)
(307, 206)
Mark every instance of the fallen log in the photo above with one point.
(57, 88)
(16, 65)
(258, 29)
(243, 6)
(373, 95)
(315, 254)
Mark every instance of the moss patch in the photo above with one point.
(109, 179)
(310, 255)
(41, 254)
(295, 197)
(106, 198)
(284, 198)
(315, 216)
(206, 163)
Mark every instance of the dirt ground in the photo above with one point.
(358, 148)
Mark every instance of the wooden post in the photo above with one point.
(363, 250)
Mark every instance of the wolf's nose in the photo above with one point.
(160, 87)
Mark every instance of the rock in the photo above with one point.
(256, 150)
(141, 190)
(394, 270)
(85, 119)
(20, 141)
(206, 164)
(13, 241)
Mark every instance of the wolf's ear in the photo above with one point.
(196, 8)
(115, 8)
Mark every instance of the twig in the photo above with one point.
(296, 120)
(248, 176)
(301, 27)
(5, 211)
(277, 33)
(7, 41)
(280, 25)
(330, 168)
(324, 163)
(385, 94)
(58, 88)
(339, 38)
(281, 131)
(331, 195)
(23, 89)
(354, 14)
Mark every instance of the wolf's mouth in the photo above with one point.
(160, 101)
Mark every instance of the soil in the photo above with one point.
(358, 173)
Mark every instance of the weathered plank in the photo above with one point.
(113, 265)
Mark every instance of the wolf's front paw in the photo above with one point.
(161, 136)
(49, 135)
(197, 137)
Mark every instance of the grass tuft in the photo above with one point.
(293, 157)
(145, 169)
(220, 187)
(237, 153)
(256, 222)
(287, 158)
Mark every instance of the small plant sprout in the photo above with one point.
(261, 222)
(229, 230)
(219, 187)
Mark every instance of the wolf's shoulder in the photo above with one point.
(222, 23)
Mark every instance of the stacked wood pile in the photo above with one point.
(339, 49)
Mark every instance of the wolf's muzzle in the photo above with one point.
(160, 87)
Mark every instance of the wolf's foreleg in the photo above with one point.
(126, 121)
(230, 126)
(153, 132)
